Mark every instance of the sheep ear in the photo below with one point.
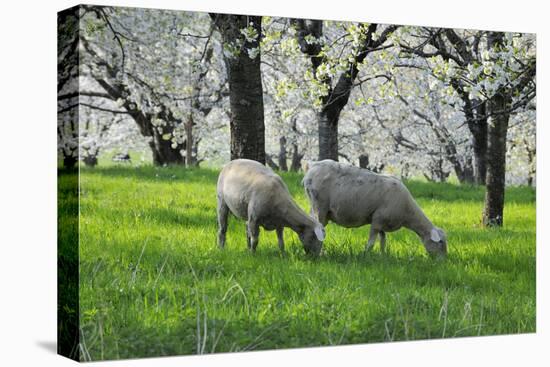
(434, 235)
(319, 232)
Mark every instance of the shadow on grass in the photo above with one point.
(421, 190)
(469, 193)
(162, 216)
(226, 334)
(156, 174)
(181, 218)
(212, 335)
(417, 270)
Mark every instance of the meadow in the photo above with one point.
(153, 281)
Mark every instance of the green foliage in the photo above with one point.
(250, 34)
(153, 281)
(284, 86)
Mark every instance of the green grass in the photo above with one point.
(153, 281)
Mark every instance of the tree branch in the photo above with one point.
(104, 109)
(68, 108)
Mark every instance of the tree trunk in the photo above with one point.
(247, 114)
(466, 172)
(364, 160)
(271, 163)
(479, 141)
(463, 169)
(493, 213)
(476, 119)
(531, 154)
(90, 160)
(189, 160)
(163, 153)
(328, 135)
(245, 86)
(437, 171)
(296, 162)
(282, 154)
(69, 162)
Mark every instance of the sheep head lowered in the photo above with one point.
(352, 197)
(253, 192)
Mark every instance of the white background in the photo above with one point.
(28, 182)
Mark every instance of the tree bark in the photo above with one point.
(475, 114)
(364, 160)
(69, 162)
(328, 134)
(282, 154)
(163, 153)
(296, 162)
(245, 87)
(480, 159)
(463, 170)
(189, 159)
(530, 180)
(467, 172)
(498, 108)
(477, 124)
(493, 213)
(90, 160)
(476, 119)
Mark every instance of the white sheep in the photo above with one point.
(253, 192)
(352, 197)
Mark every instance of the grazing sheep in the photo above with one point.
(353, 197)
(253, 192)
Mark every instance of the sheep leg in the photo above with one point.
(372, 238)
(223, 213)
(247, 236)
(253, 233)
(383, 242)
(280, 238)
